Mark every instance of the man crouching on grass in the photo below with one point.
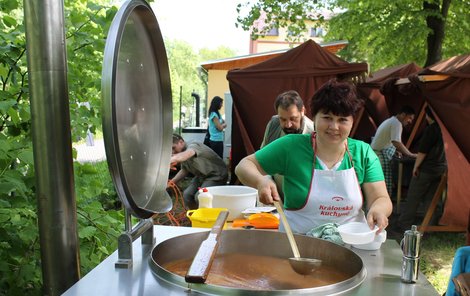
(201, 161)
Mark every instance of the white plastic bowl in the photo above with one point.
(355, 233)
(233, 197)
(375, 244)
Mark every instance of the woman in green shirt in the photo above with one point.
(325, 173)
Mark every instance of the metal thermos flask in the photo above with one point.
(410, 246)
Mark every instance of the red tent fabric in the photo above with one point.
(450, 100)
(378, 106)
(254, 89)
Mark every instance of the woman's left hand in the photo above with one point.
(377, 218)
(379, 204)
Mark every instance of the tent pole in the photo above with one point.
(416, 126)
(423, 78)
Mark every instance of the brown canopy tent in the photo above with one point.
(446, 87)
(254, 89)
(378, 106)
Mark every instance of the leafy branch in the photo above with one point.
(18, 98)
(10, 70)
(82, 46)
(27, 256)
(79, 28)
(92, 222)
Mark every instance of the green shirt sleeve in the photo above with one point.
(292, 157)
(366, 163)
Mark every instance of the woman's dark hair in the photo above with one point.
(339, 98)
(216, 104)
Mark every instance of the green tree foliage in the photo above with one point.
(86, 25)
(290, 14)
(383, 33)
(220, 52)
(100, 220)
(20, 269)
(187, 76)
(389, 33)
(183, 63)
(19, 246)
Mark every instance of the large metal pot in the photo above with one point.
(259, 244)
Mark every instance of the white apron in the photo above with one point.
(334, 197)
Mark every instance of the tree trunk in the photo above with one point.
(436, 21)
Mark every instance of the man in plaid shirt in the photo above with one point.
(387, 141)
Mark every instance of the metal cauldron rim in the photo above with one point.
(162, 274)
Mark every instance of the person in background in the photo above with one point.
(201, 161)
(387, 141)
(216, 126)
(290, 119)
(326, 173)
(428, 169)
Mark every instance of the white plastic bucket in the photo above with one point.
(233, 197)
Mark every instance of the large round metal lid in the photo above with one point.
(137, 110)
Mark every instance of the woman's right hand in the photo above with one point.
(250, 173)
(267, 190)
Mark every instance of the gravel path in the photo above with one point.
(95, 153)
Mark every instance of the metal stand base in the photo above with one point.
(144, 228)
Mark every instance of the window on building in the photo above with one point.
(273, 32)
(320, 32)
(316, 32)
(313, 32)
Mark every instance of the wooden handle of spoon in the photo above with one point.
(202, 262)
(290, 236)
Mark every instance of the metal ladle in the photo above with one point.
(303, 266)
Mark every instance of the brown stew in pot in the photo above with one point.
(255, 272)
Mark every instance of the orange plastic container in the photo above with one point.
(260, 220)
(204, 217)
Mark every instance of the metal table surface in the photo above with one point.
(383, 273)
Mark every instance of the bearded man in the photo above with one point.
(290, 119)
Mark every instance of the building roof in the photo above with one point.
(251, 59)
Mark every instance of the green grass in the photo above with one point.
(437, 253)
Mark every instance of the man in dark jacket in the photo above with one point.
(429, 166)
